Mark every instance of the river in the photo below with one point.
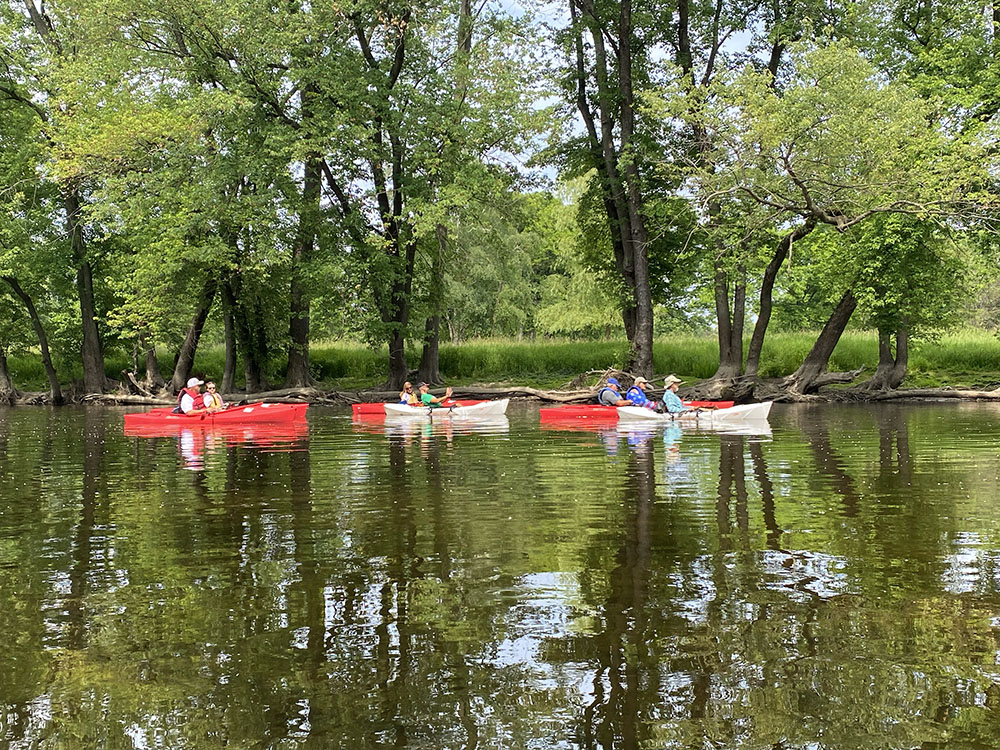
(833, 582)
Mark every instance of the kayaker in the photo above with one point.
(407, 396)
(672, 403)
(189, 400)
(609, 395)
(213, 401)
(637, 393)
(432, 401)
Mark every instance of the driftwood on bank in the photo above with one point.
(470, 392)
(934, 393)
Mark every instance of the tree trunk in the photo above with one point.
(55, 391)
(249, 338)
(398, 370)
(8, 394)
(629, 321)
(809, 377)
(185, 355)
(154, 379)
(902, 356)
(642, 345)
(430, 363)
(91, 352)
(621, 193)
(891, 370)
(229, 370)
(767, 295)
(430, 371)
(730, 322)
(298, 375)
(397, 315)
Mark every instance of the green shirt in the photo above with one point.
(425, 399)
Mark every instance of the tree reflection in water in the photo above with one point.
(426, 587)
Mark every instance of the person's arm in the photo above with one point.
(192, 409)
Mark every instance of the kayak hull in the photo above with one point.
(607, 413)
(257, 413)
(378, 408)
(484, 409)
(735, 415)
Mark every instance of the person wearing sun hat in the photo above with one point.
(637, 393)
(610, 394)
(672, 403)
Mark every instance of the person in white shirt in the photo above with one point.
(189, 399)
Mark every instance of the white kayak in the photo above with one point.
(483, 410)
(734, 415)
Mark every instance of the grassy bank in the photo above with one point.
(965, 358)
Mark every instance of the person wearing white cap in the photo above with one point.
(671, 401)
(637, 393)
(189, 400)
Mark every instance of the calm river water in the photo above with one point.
(832, 584)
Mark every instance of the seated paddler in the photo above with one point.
(672, 403)
(407, 396)
(189, 399)
(610, 394)
(212, 398)
(432, 401)
(637, 393)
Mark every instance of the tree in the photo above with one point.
(603, 88)
(32, 78)
(836, 145)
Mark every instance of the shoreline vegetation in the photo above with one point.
(962, 364)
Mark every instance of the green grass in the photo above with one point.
(967, 358)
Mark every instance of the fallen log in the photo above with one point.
(285, 395)
(472, 392)
(935, 393)
(119, 399)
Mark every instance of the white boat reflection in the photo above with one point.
(406, 427)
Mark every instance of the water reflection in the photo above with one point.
(832, 584)
(195, 443)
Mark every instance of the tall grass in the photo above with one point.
(966, 357)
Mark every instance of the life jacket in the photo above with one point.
(194, 393)
(211, 400)
(600, 393)
(636, 395)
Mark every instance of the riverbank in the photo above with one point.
(966, 360)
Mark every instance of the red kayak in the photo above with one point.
(258, 413)
(597, 412)
(378, 408)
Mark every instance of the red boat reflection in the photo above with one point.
(195, 441)
(257, 434)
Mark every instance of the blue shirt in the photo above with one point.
(673, 403)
